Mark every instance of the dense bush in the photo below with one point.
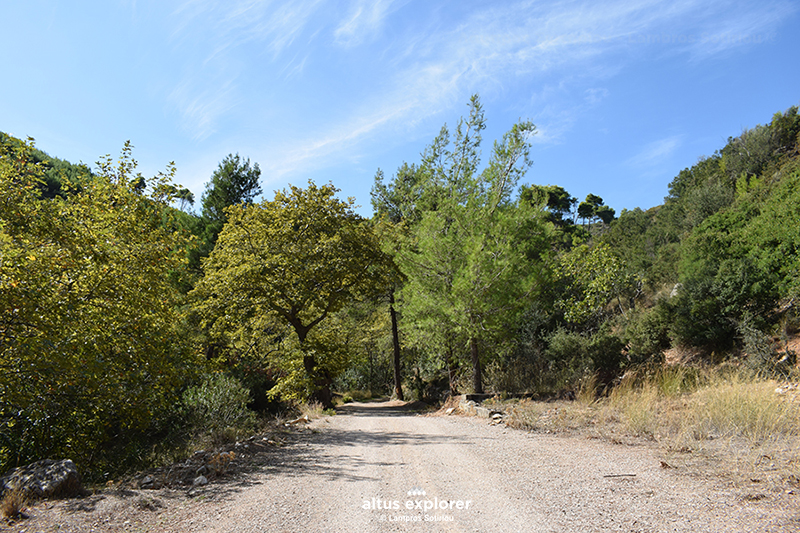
(217, 408)
(90, 358)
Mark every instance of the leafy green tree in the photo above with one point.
(587, 208)
(605, 214)
(292, 262)
(400, 202)
(185, 196)
(235, 181)
(556, 199)
(466, 264)
(593, 207)
(404, 198)
(90, 357)
(595, 277)
(54, 171)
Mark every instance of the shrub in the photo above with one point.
(218, 407)
(762, 358)
(647, 332)
(569, 357)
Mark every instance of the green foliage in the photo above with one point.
(631, 239)
(593, 207)
(756, 150)
(234, 182)
(367, 333)
(554, 198)
(57, 175)
(89, 352)
(595, 276)
(559, 360)
(218, 407)
(405, 198)
(557, 206)
(647, 332)
(726, 232)
(739, 262)
(466, 261)
(290, 263)
(568, 353)
(772, 235)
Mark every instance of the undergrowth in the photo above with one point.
(13, 503)
(729, 415)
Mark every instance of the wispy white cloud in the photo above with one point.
(655, 153)
(216, 32)
(489, 49)
(298, 157)
(594, 95)
(752, 27)
(703, 30)
(363, 22)
(231, 24)
(200, 110)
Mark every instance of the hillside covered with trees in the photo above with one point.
(124, 316)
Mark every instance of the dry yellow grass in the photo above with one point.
(13, 503)
(721, 420)
(313, 410)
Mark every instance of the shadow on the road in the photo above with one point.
(307, 454)
(383, 408)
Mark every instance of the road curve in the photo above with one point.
(378, 467)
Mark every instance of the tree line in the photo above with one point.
(116, 300)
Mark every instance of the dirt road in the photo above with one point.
(376, 467)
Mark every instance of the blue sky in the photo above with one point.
(624, 94)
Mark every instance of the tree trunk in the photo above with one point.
(452, 369)
(324, 396)
(322, 383)
(477, 382)
(398, 378)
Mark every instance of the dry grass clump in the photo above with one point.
(734, 420)
(587, 390)
(550, 417)
(313, 410)
(13, 503)
(689, 404)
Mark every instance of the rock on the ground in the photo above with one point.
(45, 479)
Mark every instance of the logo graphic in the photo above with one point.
(417, 506)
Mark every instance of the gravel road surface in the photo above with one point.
(378, 467)
(366, 466)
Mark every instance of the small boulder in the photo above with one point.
(45, 479)
(199, 481)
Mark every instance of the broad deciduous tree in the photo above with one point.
(296, 259)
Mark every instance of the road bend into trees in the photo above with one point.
(379, 467)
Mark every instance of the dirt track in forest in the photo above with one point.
(362, 469)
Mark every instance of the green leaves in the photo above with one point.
(594, 277)
(467, 263)
(87, 340)
(296, 259)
